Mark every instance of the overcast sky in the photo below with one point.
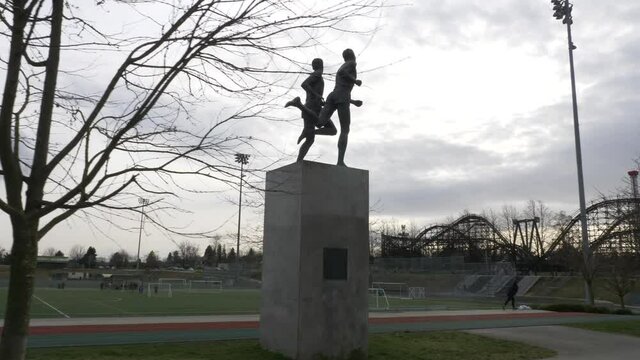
(467, 107)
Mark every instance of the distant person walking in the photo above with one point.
(511, 295)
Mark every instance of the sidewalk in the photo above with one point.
(571, 343)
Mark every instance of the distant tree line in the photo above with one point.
(187, 255)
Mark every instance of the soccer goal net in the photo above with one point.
(205, 285)
(177, 283)
(378, 299)
(418, 292)
(392, 289)
(159, 289)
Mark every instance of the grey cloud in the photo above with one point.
(544, 170)
(449, 23)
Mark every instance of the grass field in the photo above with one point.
(574, 288)
(626, 327)
(69, 302)
(443, 303)
(398, 346)
(89, 302)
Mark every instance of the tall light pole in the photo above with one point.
(242, 159)
(143, 202)
(633, 175)
(562, 11)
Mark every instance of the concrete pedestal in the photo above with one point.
(315, 267)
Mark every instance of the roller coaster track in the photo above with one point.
(604, 220)
(611, 222)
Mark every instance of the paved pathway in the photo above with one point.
(132, 330)
(571, 343)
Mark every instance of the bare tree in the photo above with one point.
(49, 252)
(621, 279)
(389, 227)
(414, 229)
(93, 152)
(494, 218)
(188, 253)
(508, 214)
(626, 189)
(76, 253)
(538, 209)
(375, 243)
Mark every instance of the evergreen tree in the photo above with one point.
(219, 255)
(250, 257)
(177, 260)
(89, 259)
(209, 256)
(152, 261)
(119, 260)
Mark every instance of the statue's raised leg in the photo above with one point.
(296, 102)
(328, 129)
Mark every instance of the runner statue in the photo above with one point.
(315, 114)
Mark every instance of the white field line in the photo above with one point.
(51, 306)
(112, 307)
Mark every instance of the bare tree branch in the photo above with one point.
(75, 144)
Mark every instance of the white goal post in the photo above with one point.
(176, 282)
(205, 285)
(392, 289)
(378, 299)
(173, 280)
(159, 289)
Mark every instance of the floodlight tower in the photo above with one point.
(633, 175)
(143, 202)
(562, 11)
(242, 159)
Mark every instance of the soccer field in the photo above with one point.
(49, 303)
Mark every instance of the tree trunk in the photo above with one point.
(24, 255)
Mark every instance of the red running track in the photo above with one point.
(226, 325)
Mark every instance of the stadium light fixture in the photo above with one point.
(563, 11)
(143, 202)
(242, 159)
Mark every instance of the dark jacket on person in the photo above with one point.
(513, 290)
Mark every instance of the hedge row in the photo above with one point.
(584, 308)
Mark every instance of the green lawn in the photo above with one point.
(627, 327)
(97, 303)
(90, 302)
(442, 303)
(574, 288)
(398, 346)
